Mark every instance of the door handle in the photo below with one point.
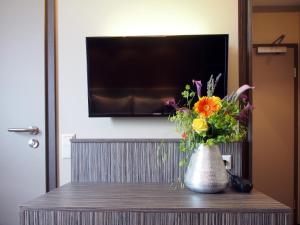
(32, 130)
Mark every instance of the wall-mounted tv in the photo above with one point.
(133, 76)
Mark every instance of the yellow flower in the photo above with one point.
(199, 125)
(207, 106)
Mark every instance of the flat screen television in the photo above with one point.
(133, 76)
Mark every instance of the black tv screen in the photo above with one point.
(133, 76)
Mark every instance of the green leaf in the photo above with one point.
(185, 94)
(192, 94)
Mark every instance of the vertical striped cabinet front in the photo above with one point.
(135, 160)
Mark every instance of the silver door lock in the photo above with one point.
(33, 143)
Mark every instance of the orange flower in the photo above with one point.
(206, 106)
(184, 136)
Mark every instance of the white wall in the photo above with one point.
(80, 18)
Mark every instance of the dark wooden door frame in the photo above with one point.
(50, 96)
(245, 72)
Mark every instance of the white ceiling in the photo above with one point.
(276, 2)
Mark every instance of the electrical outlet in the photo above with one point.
(228, 159)
(66, 145)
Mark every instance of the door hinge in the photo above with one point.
(295, 72)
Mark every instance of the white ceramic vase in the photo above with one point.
(206, 172)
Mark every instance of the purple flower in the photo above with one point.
(241, 90)
(243, 116)
(198, 86)
(243, 98)
(171, 102)
(184, 109)
(217, 79)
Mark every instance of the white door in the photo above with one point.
(22, 104)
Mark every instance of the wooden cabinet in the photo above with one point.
(127, 182)
(151, 204)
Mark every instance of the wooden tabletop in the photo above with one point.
(150, 197)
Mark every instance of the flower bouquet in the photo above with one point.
(206, 121)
